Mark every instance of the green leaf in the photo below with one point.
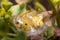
(50, 32)
(6, 38)
(2, 23)
(2, 12)
(17, 9)
(21, 36)
(7, 16)
(2, 34)
(4, 27)
(6, 5)
(40, 6)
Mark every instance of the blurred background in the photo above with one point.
(43, 2)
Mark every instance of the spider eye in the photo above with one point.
(25, 23)
(17, 22)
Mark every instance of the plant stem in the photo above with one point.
(40, 6)
(55, 13)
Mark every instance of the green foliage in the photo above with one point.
(7, 38)
(3, 25)
(2, 12)
(6, 4)
(21, 36)
(40, 7)
(4, 30)
(50, 32)
(55, 12)
(17, 9)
